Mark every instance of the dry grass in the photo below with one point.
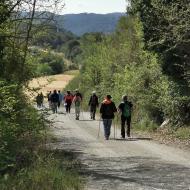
(49, 83)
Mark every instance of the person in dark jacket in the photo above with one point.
(93, 104)
(125, 108)
(107, 111)
(54, 101)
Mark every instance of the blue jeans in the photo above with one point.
(107, 127)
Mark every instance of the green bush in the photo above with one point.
(120, 64)
(20, 125)
(44, 69)
(44, 173)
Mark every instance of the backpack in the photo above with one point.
(127, 110)
(77, 100)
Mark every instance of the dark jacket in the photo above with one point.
(93, 101)
(107, 109)
(54, 98)
(122, 106)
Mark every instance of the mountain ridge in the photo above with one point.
(82, 23)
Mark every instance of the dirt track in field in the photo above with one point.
(49, 83)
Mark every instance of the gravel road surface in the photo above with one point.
(132, 164)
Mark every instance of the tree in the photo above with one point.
(166, 30)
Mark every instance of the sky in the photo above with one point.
(94, 6)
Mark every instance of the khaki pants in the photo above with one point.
(77, 111)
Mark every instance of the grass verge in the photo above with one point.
(48, 173)
(40, 168)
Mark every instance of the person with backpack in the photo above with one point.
(125, 108)
(68, 101)
(107, 111)
(54, 101)
(93, 104)
(77, 93)
(77, 102)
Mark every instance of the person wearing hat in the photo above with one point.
(77, 100)
(107, 111)
(125, 108)
(93, 104)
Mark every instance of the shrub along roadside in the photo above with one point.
(121, 64)
(22, 136)
(46, 172)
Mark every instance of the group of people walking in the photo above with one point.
(108, 108)
(55, 100)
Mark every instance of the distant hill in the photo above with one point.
(88, 22)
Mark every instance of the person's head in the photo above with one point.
(68, 92)
(94, 92)
(55, 91)
(109, 97)
(59, 91)
(124, 98)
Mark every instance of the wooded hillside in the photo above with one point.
(146, 58)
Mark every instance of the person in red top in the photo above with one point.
(68, 101)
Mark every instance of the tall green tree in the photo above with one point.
(166, 30)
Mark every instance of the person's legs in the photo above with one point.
(58, 104)
(129, 126)
(67, 108)
(94, 112)
(91, 111)
(77, 112)
(49, 104)
(55, 107)
(123, 119)
(107, 126)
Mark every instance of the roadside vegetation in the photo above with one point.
(24, 160)
(146, 58)
(53, 51)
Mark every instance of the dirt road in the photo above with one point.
(134, 164)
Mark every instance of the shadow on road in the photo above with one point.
(125, 173)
